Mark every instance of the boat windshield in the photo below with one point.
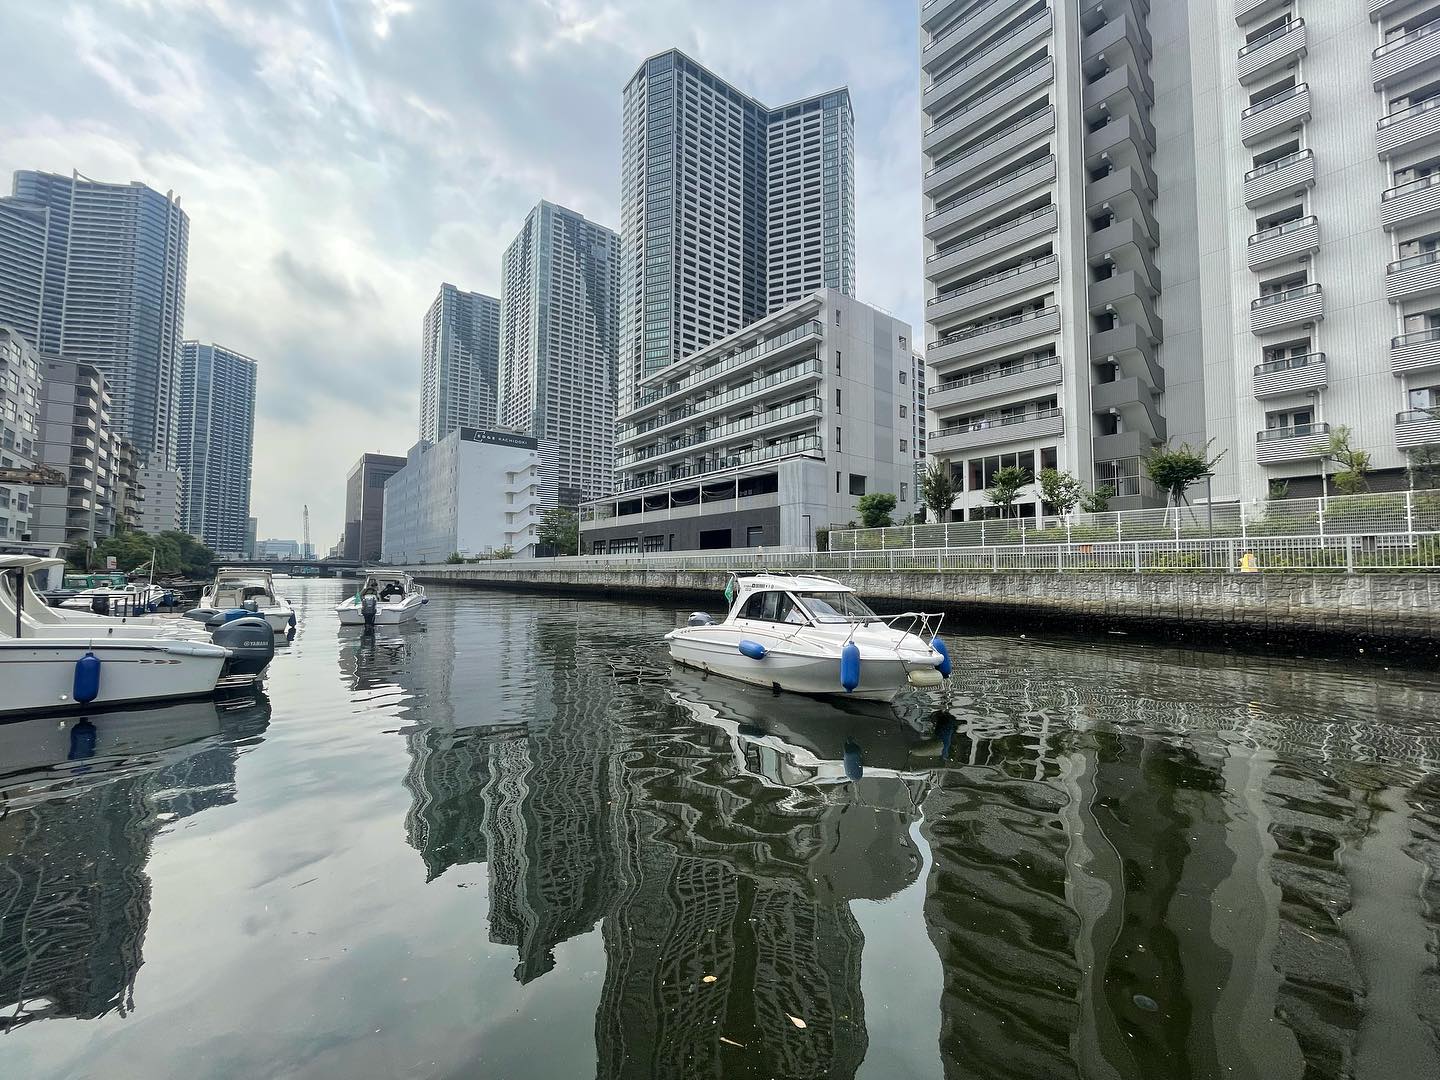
(833, 607)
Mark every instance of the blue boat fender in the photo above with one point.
(753, 649)
(944, 667)
(424, 600)
(87, 678)
(850, 667)
(292, 620)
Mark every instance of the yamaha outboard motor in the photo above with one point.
(368, 606)
(251, 643)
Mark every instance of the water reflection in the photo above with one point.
(81, 801)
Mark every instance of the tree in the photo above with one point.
(1061, 490)
(875, 509)
(1354, 464)
(1098, 501)
(175, 553)
(938, 490)
(454, 557)
(560, 529)
(1423, 465)
(1005, 485)
(1175, 471)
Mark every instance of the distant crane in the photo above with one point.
(306, 551)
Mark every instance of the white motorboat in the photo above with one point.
(813, 635)
(46, 666)
(251, 591)
(135, 598)
(385, 598)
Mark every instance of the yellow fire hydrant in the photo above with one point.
(1249, 564)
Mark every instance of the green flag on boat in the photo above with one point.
(730, 591)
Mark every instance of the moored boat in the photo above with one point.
(384, 598)
(239, 590)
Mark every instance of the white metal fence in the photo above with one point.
(1331, 553)
(1408, 512)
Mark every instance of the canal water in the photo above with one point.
(511, 842)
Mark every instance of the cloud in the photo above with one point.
(339, 159)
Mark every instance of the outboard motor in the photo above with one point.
(229, 615)
(200, 614)
(699, 618)
(251, 643)
(100, 605)
(369, 605)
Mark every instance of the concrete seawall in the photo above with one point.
(1388, 610)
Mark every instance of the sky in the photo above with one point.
(339, 159)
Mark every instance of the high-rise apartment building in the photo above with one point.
(365, 504)
(1284, 302)
(164, 507)
(729, 209)
(111, 289)
(216, 442)
(20, 379)
(558, 336)
(76, 438)
(459, 363)
(24, 232)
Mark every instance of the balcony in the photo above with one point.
(1007, 429)
(1108, 138)
(973, 113)
(966, 164)
(1133, 400)
(1417, 351)
(959, 36)
(1291, 374)
(1267, 55)
(1417, 427)
(1284, 243)
(975, 340)
(1411, 203)
(985, 385)
(1123, 90)
(1250, 10)
(934, 12)
(1280, 112)
(1381, 8)
(1303, 442)
(1419, 275)
(937, 94)
(1294, 307)
(961, 210)
(797, 413)
(996, 287)
(724, 463)
(1408, 128)
(1284, 176)
(1405, 56)
(765, 351)
(1001, 238)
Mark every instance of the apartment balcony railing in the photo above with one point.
(974, 340)
(1417, 427)
(1403, 57)
(1290, 374)
(731, 364)
(983, 385)
(1405, 129)
(935, 95)
(1416, 351)
(967, 163)
(805, 409)
(1287, 109)
(939, 50)
(1281, 46)
(998, 286)
(806, 444)
(691, 411)
(953, 125)
(1381, 8)
(964, 208)
(1284, 242)
(1294, 307)
(1418, 275)
(1006, 429)
(1408, 203)
(1250, 10)
(1300, 442)
(935, 12)
(1000, 238)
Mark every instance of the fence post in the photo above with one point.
(1410, 516)
(1119, 528)
(852, 562)
(892, 561)
(1230, 565)
(939, 559)
(1349, 554)
(1022, 534)
(1137, 556)
(995, 560)
(982, 532)
(1320, 513)
(1243, 525)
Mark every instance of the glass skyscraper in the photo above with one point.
(558, 327)
(111, 290)
(459, 362)
(729, 209)
(216, 440)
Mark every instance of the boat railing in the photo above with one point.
(923, 624)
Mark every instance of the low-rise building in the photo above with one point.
(767, 435)
(474, 492)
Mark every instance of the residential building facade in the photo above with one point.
(76, 438)
(216, 444)
(765, 436)
(111, 290)
(1063, 333)
(20, 389)
(163, 510)
(474, 492)
(729, 209)
(24, 232)
(459, 363)
(558, 338)
(365, 504)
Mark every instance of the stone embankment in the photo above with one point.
(1388, 610)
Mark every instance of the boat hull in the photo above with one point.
(386, 615)
(39, 675)
(881, 678)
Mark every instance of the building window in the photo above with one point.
(904, 411)
(902, 349)
(904, 491)
(837, 481)
(837, 316)
(857, 484)
(904, 446)
(902, 374)
(837, 440)
(755, 536)
(837, 361)
(655, 543)
(837, 399)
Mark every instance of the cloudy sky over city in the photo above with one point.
(339, 159)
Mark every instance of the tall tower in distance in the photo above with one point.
(112, 293)
(729, 209)
(459, 363)
(216, 444)
(558, 337)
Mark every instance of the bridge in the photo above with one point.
(298, 567)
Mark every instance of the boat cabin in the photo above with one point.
(798, 601)
(386, 586)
